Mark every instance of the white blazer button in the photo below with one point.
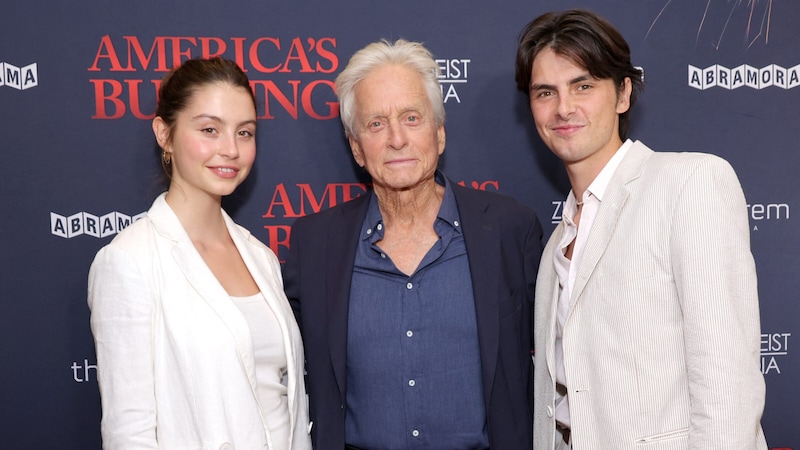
(226, 446)
(549, 411)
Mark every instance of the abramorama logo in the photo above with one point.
(454, 72)
(20, 78)
(745, 75)
(83, 223)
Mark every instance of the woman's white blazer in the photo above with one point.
(175, 361)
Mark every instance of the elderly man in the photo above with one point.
(647, 323)
(415, 300)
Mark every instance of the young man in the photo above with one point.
(646, 318)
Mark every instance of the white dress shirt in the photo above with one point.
(567, 269)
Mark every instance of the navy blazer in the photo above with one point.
(503, 240)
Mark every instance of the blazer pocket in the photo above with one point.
(511, 305)
(682, 433)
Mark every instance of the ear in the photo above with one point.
(355, 148)
(161, 132)
(624, 96)
(441, 137)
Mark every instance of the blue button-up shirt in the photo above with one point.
(413, 363)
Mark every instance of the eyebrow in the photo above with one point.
(412, 108)
(550, 87)
(219, 119)
(207, 116)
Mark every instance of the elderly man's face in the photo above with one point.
(397, 139)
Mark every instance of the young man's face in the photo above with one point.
(576, 115)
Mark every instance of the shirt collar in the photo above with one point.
(448, 211)
(600, 183)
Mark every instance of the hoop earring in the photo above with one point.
(166, 156)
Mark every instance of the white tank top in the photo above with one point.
(270, 364)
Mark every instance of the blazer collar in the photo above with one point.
(617, 193)
(199, 275)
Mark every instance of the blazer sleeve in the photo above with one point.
(532, 257)
(122, 311)
(291, 273)
(715, 278)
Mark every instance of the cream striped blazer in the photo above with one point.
(661, 340)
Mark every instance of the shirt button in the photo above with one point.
(369, 231)
(415, 433)
(409, 286)
(411, 383)
(409, 333)
(383, 255)
(455, 223)
(380, 226)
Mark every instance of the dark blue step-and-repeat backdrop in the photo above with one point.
(78, 89)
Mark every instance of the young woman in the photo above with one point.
(196, 344)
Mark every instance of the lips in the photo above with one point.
(566, 129)
(400, 161)
(225, 172)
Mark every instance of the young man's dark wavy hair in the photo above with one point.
(587, 39)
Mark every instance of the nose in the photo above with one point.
(397, 136)
(566, 106)
(229, 146)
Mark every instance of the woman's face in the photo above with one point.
(213, 142)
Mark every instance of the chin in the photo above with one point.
(227, 190)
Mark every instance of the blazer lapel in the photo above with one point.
(603, 227)
(483, 245)
(203, 281)
(340, 254)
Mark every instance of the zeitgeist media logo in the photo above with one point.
(774, 347)
(19, 78)
(756, 212)
(454, 72)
